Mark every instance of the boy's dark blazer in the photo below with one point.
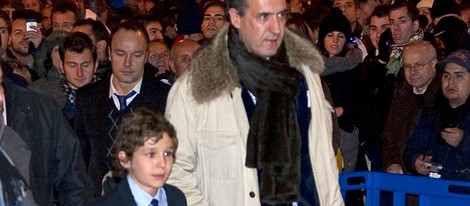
(122, 195)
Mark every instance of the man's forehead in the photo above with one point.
(339, 2)
(214, 9)
(378, 20)
(398, 13)
(18, 23)
(66, 14)
(86, 53)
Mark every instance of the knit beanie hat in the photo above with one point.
(424, 4)
(443, 7)
(335, 21)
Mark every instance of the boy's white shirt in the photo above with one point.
(142, 198)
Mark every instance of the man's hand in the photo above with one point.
(419, 164)
(452, 135)
(394, 168)
(34, 36)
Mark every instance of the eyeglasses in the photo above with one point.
(156, 55)
(417, 66)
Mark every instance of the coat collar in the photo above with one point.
(212, 72)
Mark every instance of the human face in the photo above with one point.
(63, 21)
(5, 36)
(212, 22)
(377, 26)
(262, 26)
(418, 67)
(334, 42)
(455, 84)
(402, 27)
(349, 9)
(182, 56)
(19, 43)
(295, 6)
(46, 17)
(159, 57)
(87, 29)
(150, 164)
(148, 5)
(34, 5)
(79, 68)
(128, 55)
(154, 29)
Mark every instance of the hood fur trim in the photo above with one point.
(212, 72)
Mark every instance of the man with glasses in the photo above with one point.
(64, 15)
(441, 135)
(418, 91)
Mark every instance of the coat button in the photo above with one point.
(252, 194)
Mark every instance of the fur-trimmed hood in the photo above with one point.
(212, 72)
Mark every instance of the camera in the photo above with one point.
(434, 168)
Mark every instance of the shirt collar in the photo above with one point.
(113, 89)
(142, 198)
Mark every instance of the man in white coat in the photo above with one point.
(253, 121)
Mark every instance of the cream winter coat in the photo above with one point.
(207, 110)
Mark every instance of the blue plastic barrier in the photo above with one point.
(431, 192)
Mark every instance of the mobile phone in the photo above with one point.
(29, 23)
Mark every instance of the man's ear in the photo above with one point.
(124, 160)
(234, 17)
(416, 25)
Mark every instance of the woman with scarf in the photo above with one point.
(343, 78)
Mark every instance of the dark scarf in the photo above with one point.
(273, 144)
(71, 93)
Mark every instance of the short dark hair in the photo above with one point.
(139, 126)
(146, 19)
(63, 7)
(239, 5)
(77, 42)
(26, 14)
(97, 27)
(380, 11)
(410, 8)
(4, 15)
(215, 3)
(131, 26)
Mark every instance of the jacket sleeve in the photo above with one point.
(71, 183)
(183, 174)
(418, 143)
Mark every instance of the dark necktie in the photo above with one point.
(122, 99)
(154, 202)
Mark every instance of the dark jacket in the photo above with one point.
(57, 171)
(426, 139)
(404, 112)
(345, 89)
(122, 195)
(93, 125)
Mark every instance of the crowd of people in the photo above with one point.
(242, 102)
